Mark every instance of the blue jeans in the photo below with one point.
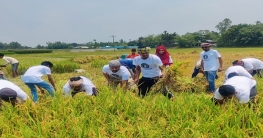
(210, 77)
(42, 84)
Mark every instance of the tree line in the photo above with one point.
(229, 35)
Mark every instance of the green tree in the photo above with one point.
(224, 25)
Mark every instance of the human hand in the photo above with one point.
(220, 69)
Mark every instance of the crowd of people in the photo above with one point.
(125, 73)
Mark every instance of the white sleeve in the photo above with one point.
(170, 59)
(126, 74)
(21, 94)
(6, 61)
(248, 66)
(218, 96)
(105, 68)
(217, 54)
(158, 61)
(66, 89)
(243, 98)
(88, 89)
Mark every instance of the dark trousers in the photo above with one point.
(145, 85)
(259, 73)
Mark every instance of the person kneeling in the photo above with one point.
(79, 84)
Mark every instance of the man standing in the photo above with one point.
(9, 92)
(32, 78)
(209, 59)
(252, 65)
(116, 74)
(240, 87)
(133, 54)
(13, 62)
(152, 70)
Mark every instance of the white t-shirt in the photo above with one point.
(7, 84)
(34, 74)
(10, 60)
(150, 66)
(242, 85)
(239, 70)
(122, 74)
(86, 86)
(210, 60)
(252, 63)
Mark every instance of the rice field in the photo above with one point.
(124, 114)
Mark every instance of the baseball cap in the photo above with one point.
(8, 94)
(226, 90)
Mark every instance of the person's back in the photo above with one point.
(127, 63)
(34, 73)
(239, 70)
(252, 63)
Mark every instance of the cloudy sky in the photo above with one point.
(33, 22)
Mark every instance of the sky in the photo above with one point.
(33, 22)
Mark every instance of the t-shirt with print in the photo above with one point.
(239, 70)
(210, 59)
(150, 66)
(122, 74)
(87, 86)
(242, 85)
(34, 74)
(252, 63)
(7, 84)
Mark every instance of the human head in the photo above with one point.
(206, 46)
(144, 52)
(1, 55)
(75, 83)
(133, 50)
(238, 63)
(114, 65)
(160, 50)
(227, 91)
(47, 63)
(8, 95)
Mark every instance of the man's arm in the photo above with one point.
(220, 64)
(50, 79)
(137, 73)
(107, 76)
(163, 71)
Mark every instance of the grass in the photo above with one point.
(120, 114)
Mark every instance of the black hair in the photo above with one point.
(233, 74)
(1, 55)
(75, 78)
(133, 50)
(47, 63)
(235, 62)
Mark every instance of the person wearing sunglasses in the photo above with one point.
(210, 64)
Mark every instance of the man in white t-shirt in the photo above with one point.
(240, 87)
(209, 59)
(14, 63)
(238, 70)
(32, 78)
(152, 70)
(79, 84)
(9, 92)
(252, 65)
(116, 74)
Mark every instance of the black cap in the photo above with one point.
(7, 94)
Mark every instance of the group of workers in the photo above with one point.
(126, 73)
